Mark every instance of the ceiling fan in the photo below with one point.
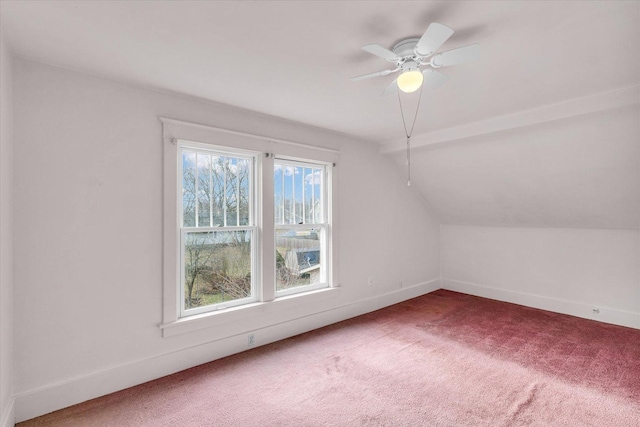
(411, 54)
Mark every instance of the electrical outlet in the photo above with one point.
(596, 310)
(370, 281)
(251, 340)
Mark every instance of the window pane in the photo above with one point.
(217, 267)
(317, 179)
(313, 191)
(288, 195)
(188, 189)
(204, 190)
(216, 189)
(298, 193)
(232, 192)
(298, 258)
(243, 177)
(278, 193)
(218, 171)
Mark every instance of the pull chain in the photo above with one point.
(409, 133)
(408, 161)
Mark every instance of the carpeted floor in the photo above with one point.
(443, 359)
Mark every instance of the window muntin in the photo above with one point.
(301, 226)
(217, 232)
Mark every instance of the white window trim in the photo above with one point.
(227, 140)
(207, 149)
(325, 225)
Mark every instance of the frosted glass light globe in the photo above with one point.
(410, 81)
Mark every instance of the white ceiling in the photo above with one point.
(294, 59)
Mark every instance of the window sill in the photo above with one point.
(247, 312)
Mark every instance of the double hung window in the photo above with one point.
(301, 226)
(217, 229)
(248, 229)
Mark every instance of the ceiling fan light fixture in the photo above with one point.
(408, 56)
(410, 81)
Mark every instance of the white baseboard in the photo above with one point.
(52, 397)
(8, 416)
(606, 315)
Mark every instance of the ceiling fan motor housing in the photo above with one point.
(409, 65)
(405, 48)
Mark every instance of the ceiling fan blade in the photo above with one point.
(380, 51)
(434, 79)
(367, 76)
(392, 88)
(432, 39)
(456, 56)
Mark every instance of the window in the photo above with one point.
(300, 225)
(217, 251)
(248, 229)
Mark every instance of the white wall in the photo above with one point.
(546, 216)
(563, 270)
(88, 236)
(6, 237)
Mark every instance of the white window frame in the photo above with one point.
(236, 319)
(197, 148)
(323, 225)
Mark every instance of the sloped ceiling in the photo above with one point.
(293, 60)
(581, 172)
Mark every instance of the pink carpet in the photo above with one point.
(443, 359)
